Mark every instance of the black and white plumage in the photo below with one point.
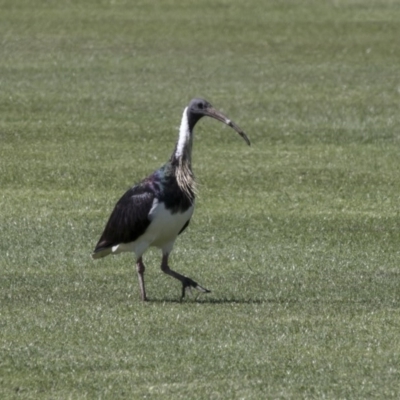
(156, 210)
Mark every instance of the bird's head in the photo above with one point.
(199, 108)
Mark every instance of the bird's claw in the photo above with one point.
(189, 283)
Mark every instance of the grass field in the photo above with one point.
(297, 236)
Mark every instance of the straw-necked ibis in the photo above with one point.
(156, 210)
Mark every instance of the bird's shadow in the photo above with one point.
(216, 301)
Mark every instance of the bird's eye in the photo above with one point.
(200, 105)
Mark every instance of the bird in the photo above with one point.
(156, 210)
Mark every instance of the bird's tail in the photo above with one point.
(101, 252)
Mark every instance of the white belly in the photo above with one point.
(162, 231)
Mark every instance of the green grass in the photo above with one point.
(297, 236)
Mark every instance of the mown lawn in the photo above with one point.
(297, 236)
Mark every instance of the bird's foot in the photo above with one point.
(188, 283)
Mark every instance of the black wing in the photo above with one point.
(129, 219)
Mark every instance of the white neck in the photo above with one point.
(184, 135)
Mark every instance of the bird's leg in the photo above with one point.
(140, 270)
(186, 282)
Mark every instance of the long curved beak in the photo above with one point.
(213, 113)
